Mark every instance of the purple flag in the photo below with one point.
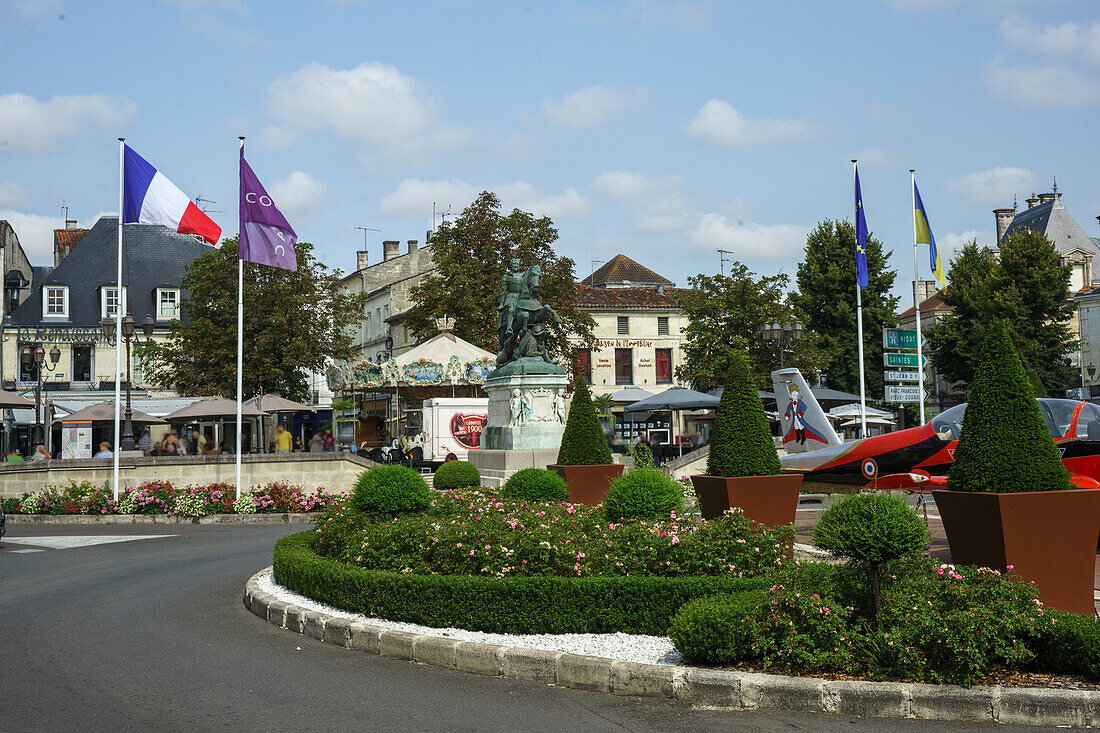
(265, 237)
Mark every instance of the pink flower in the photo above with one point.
(1010, 567)
(471, 553)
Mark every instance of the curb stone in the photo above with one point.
(710, 688)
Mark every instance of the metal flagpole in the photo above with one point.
(240, 344)
(859, 320)
(118, 323)
(916, 298)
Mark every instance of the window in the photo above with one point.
(55, 301)
(82, 362)
(624, 366)
(404, 334)
(662, 325)
(582, 362)
(110, 302)
(663, 361)
(624, 325)
(168, 303)
(1077, 278)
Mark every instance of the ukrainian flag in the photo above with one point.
(923, 235)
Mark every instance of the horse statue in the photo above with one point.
(520, 311)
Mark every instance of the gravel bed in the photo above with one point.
(624, 647)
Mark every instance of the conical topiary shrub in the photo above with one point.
(583, 442)
(1005, 446)
(741, 443)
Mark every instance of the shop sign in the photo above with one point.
(61, 334)
(623, 344)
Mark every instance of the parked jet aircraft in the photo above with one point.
(924, 452)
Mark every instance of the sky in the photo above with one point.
(665, 130)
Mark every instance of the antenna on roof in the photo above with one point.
(592, 266)
(365, 230)
(200, 200)
(722, 256)
(1014, 204)
(66, 210)
(1054, 189)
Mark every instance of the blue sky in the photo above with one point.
(663, 129)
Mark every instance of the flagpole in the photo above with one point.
(859, 319)
(916, 298)
(240, 343)
(118, 324)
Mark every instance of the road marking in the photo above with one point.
(16, 552)
(65, 542)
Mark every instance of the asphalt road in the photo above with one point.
(152, 634)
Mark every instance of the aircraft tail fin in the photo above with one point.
(804, 424)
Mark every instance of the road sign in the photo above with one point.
(903, 360)
(904, 393)
(898, 338)
(892, 376)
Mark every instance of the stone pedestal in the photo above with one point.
(525, 425)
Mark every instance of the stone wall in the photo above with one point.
(334, 471)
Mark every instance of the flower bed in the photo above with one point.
(161, 497)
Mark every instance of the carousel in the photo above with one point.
(386, 399)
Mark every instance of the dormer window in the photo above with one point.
(168, 304)
(55, 301)
(109, 302)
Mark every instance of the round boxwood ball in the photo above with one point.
(456, 475)
(716, 630)
(535, 484)
(871, 528)
(645, 494)
(391, 489)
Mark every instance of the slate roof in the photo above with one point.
(153, 256)
(622, 269)
(626, 298)
(1055, 223)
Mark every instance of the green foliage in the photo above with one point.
(741, 443)
(718, 630)
(583, 442)
(391, 490)
(294, 322)
(1027, 287)
(642, 455)
(725, 314)
(508, 605)
(871, 528)
(803, 633)
(456, 475)
(642, 494)
(535, 485)
(825, 303)
(1005, 445)
(470, 254)
(1069, 644)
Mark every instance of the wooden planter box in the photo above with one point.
(588, 484)
(1049, 537)
(770, 500)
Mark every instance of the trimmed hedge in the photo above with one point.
(534, 605)
(716, 631)
(391, 490)
(583, 442)
(535, 484)
(741, 443)
(642, 494)
(456, 475)
(1071, 646)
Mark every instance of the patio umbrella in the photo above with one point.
(275, 403)
(675, 398)
(853, 411)
(213, 408)
(764, 396)
(11, 400)
(870, 421)
(833, 395)
(105, 411)
(630, 395)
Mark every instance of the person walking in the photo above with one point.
(104, 451)
(330, 442)
(316, 443)
(171, 444)
(283, 439)
(198, 442)
(40, 453)
(145, 443)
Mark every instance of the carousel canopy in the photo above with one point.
(442, 360)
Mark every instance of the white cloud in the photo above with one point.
(11, 194)
(719, 124)
(35, 234)
(277, 137)
(1043, 85)
(593, 106)
(952, 242)
(30, 126)
(655, 201)
(749, 241)
(413, 198)
(297, 195)
(1068, 39)
(372, 103)
(874, 156)
(996, 185)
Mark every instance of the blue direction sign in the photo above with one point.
(898, 338)
(903, 360)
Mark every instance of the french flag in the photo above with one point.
(150, 198)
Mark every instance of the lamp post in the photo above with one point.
(783, 335)
(37, 354)
(128, 331)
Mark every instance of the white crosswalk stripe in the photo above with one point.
(65, 542)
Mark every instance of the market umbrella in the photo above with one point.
(213, 408)
(13, 401)
(630, 395)
(764, 396)
(853, 411)
(824, 394)
(275, 403)
(105, 411)
(675, 398)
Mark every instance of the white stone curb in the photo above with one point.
(708, 688)
(282, 518)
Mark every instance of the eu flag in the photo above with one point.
(861, 240)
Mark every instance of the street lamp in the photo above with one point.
(37, 354)
(128, 329)
(783, 335)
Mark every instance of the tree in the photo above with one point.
(741, 443)
(1026, 287)
(470, 255)
(826, 304)
(293, 322)
(583, 442)
(725, 314)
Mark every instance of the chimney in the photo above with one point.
(70, 224)
(362, 259)
(1033, 201)
(390, 249)
(1045, 198)
(427, 237)
(412, 246)
(1004, 218)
